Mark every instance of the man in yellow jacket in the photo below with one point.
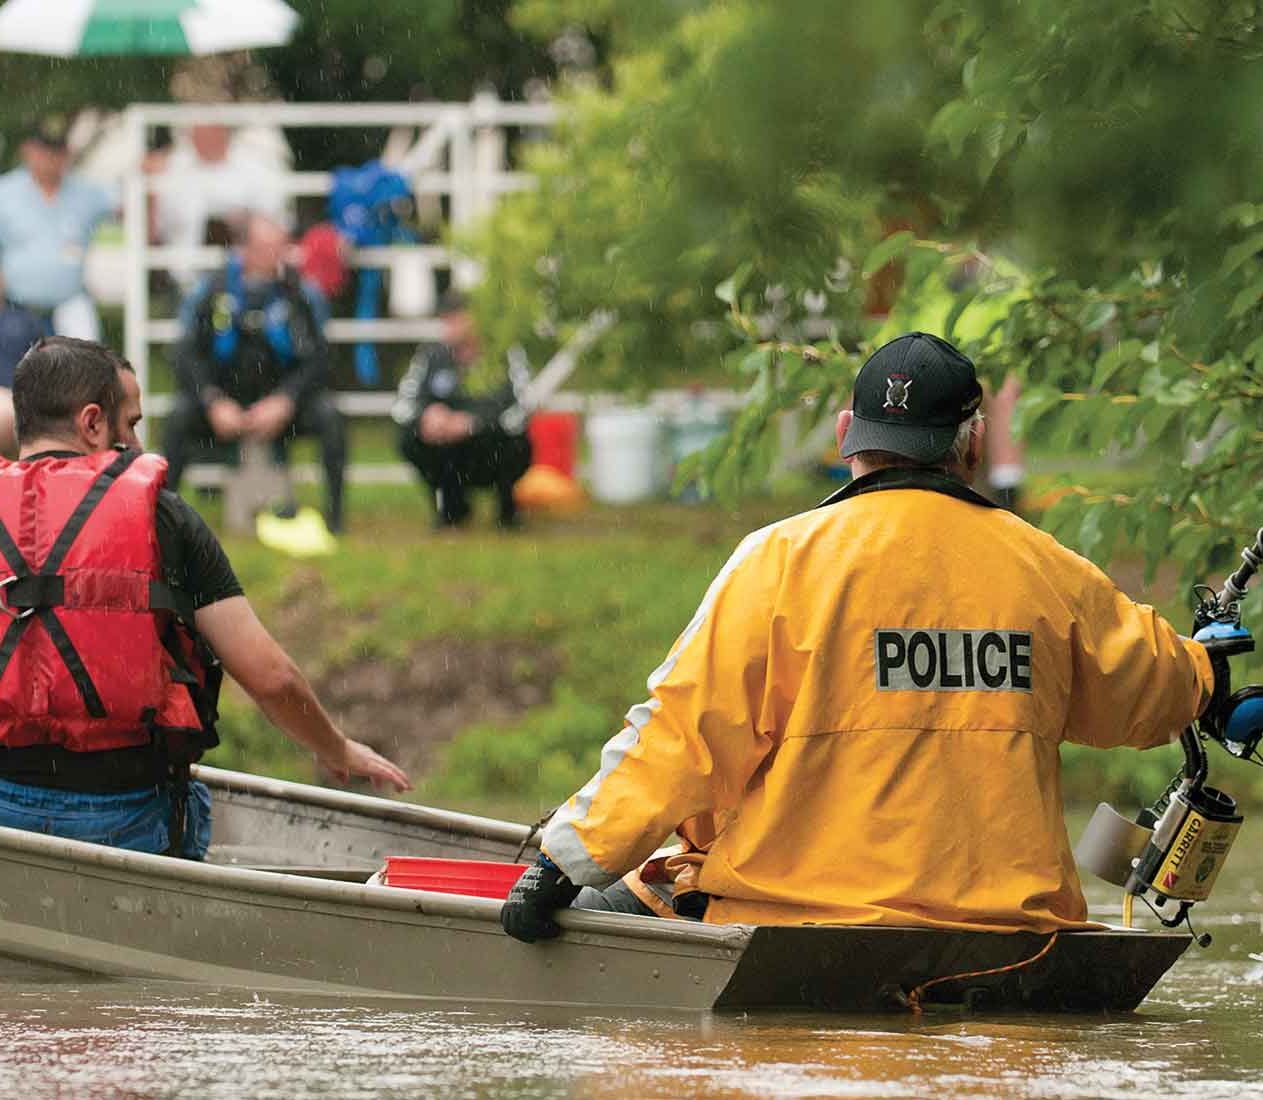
(861, 723)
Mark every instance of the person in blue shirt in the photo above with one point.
(47, 219)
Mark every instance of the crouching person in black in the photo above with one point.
(253, 363)
(120, 606)
(455, 440)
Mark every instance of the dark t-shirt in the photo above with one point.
(193, 562)
(198, 566)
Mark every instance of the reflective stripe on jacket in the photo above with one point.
(89, 658)
(868, 707)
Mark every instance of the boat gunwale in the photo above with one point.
(429, 903)
(370, 806)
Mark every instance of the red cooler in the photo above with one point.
(554, 440)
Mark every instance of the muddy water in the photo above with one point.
(1199, 1035)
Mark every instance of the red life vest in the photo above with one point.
(97, 652)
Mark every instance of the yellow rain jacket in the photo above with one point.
(867, 710)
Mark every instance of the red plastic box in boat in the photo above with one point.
(471, 877)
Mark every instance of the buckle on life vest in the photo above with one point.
(15, 615)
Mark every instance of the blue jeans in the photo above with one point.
(617, 898)
(137, 820)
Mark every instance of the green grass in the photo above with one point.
(606, 590)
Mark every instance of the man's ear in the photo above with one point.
(844, 423)
(974, 452)
(93, 427)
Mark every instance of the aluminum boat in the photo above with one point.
(283, 903)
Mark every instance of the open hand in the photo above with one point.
(356, 758)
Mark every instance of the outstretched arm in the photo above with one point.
(253, 658)
(1137, 682)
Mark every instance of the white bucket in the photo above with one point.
(624, 446)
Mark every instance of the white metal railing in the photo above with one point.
(469, 137)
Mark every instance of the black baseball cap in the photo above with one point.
(911, 397)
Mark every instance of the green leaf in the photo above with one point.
(1182, 394)
(962, 303)
(1032, 406)
(1157, 420)
(756, 361)
(1103, 419)
(728, 290)
(1098, 315)
(1099, 531)
(1246, 299)
(1241, 252)
(1154, 538)
(1232, 442)
(953, 125)
(1063, 519)
(890, 249)
(1113, 360)
(969, 73)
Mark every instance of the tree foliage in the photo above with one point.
(1069, 188)
(396, 51)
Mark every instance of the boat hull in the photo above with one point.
(113, 912)
(129, 914)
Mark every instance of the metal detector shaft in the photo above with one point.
(1251, 558)
(1196, 763)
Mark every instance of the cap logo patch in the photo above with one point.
(897, 393)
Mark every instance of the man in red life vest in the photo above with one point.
(117, 606)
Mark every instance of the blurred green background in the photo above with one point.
(1069, 189)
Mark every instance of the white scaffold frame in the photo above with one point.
(472, 134)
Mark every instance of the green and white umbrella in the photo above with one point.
(79, 28)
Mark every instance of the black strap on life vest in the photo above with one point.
(930, 478)
(43, 586)
(38, 591)
(17, 625)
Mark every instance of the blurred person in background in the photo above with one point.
(20, 328)
(213, 180)
(47, 219)
(1006, 454)
(253, 363)
(455, 440)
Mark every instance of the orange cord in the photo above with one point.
(914, 998)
